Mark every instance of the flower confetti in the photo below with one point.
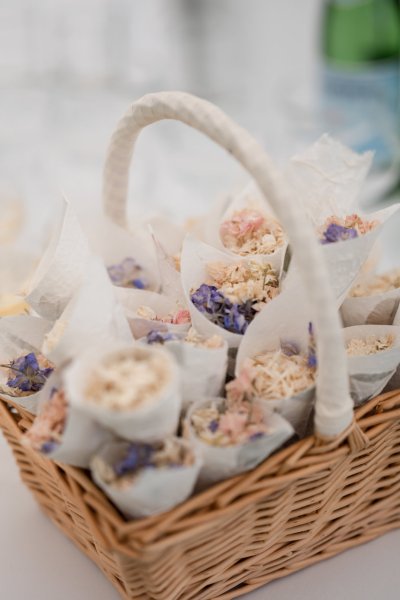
(170, 453)
(46, 432)
(249, 231)
(336, 229)
(235, 293)
(372, 344)
(127, 274)
(29, 372)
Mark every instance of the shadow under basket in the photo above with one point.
(304, 504)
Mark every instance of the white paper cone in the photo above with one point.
(222, 462)
(249, 197)
(61, 269)
(131, 300)
(113, 244)
(82, 436)
(170, 278)
(150, 422)
(203, 370)
(327, 178)
(153, 490)
(377, 309)
(92, 316)
(169, 234)
(370, 374)
(284, 320)
(21, 335)
(196, 256)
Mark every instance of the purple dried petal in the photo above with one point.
(336, 233)
(136, 457)
(290, 348)
(159, 337)
(213, 425)
(27, 374)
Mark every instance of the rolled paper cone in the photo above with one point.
(222, 462)
(61, 269)
(327, 179)
(203, 370)
(82, 436)
(131, 300)
(113, 244)
(370, 374)
(149, 422)
(168, 234)
(249, 197)
(93, 316)
(20, 335)
(171, 283)
(153, 490)
(284, 320)
(377, 309)
(196, 256)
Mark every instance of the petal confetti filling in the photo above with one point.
(372, 344)
(230, 423)
(126, 381)
(336, 229)
(45, 435)
(180, 317)
(249, 231)
(28, 373)
(235, 293)
(378, 284)
(171, 453)
(127, 274)
(192, 337)
(273, 375)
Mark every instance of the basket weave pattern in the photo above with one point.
(304, 504)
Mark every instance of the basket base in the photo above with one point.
(301, 506)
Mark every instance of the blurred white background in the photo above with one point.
(69, 69)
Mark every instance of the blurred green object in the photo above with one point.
(360, 79)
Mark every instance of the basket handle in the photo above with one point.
(334, 406)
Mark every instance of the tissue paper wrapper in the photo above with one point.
(148, 423)
(152, 491)
(370, 374)
(223, 462)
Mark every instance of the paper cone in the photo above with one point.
(61, 269)
(222, 462)
(19, 336)
(93, 316)
(149, 422)
(153, 490)
(370, 374)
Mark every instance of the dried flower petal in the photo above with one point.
(170, 453)
(48, 427)
(232, 423)
(336, 229)
(249, 231)
(127, 381)
(378, 284)
(271, 376)
(127, 274)
(372, 344)
(29, 372)
(235, 293)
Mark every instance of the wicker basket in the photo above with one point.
(308, 502)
